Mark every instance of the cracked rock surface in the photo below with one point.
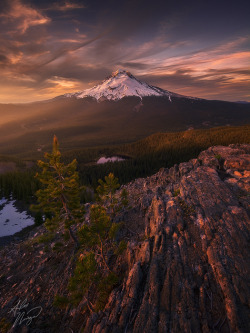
(187, 261)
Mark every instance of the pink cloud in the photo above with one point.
(24, 16)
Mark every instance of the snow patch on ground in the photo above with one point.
(103, 160)
(11, 219)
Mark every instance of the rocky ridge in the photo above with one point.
(186, 264)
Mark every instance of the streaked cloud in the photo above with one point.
(50, 48)
(220, 72)
(67, 5)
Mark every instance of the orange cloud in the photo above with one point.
(206, 63)
(69, 6)
(24, 16)
(62, 83)
(219, 72)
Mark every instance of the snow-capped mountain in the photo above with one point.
(122, 84)
(132, 110)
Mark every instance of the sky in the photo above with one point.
(195, 48)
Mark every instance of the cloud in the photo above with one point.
(227, 84)
(51, 48)
(3, 59)
(133, 65)
(220, 72)
(60, 52)
(202, 61)
(66, 6)
(23, 16)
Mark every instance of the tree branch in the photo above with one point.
(102, 255)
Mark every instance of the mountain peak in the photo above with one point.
(120, 72)
(121, 84)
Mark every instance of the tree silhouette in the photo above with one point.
(59, 196)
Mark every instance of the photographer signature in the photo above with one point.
(22, 315)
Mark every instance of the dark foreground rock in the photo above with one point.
(187, 262)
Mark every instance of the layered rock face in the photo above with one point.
(187, 262)
(191, 273)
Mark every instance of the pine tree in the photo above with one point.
(94, 276)
(59, 196)
(106, 194)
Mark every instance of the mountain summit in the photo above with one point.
(121, 84)
(131, 110)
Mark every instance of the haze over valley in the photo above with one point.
(120, 109)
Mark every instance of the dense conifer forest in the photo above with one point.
(142, 158)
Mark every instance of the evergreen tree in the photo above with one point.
(59, 196)
(94, 276)
(106, 194)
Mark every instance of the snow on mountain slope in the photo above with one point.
(121, 84)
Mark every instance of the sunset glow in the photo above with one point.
(195, 48)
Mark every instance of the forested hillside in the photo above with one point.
(142, 158)
(147, 156)
(28, 129)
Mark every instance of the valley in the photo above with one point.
(142, 157)
(132, 160)
(80, 120)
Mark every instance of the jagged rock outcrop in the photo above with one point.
(187, 260)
